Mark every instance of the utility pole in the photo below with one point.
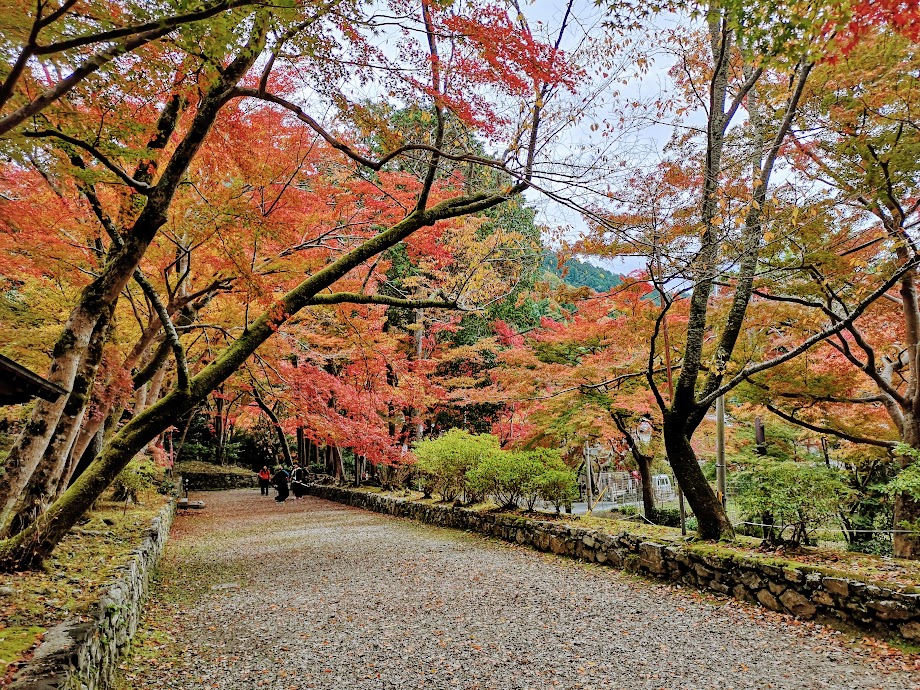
(588, 474)
(720, 448)
(667, 364)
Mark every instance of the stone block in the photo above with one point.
(823, 598)
(651, 557)
(797, 605)
(910, 631)
(836, 585)
(615, 558)
(776, 588)
(767, 599)
(793, 575)
(889, 610)
(702, 571)
(741, 592)
(751, 579)
(555, 543)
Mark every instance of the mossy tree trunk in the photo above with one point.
(32, 446)
(43, 482)
(28, 548)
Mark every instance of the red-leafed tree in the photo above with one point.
(372, 204)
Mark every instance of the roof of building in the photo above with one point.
(19, 385)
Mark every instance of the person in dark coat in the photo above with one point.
(298, 482)
(265, 480)
(280, 480)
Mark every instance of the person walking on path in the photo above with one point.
(298, 483)
(280, 481)
(265, 478)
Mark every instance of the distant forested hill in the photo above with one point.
(578, 273)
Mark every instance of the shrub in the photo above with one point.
(477, 466)
(140, 474)
(539, 462)
(668, 517)
(559, 487)
(445, 462)
(877, 546)
(793, 496)
(502, 474)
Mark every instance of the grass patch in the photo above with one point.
(16, 640)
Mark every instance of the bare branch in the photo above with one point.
(827, 430)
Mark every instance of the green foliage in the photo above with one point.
(797, 496)
(709, 470)
(782, 440)
(879, 545)
(460, 462)
(668, 517)
(139, 475)
(559, 488)
(907, 480)
(444, 462)
(580, 274)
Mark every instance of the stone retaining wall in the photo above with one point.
(81, 654)
(214, 481)
(795, 588)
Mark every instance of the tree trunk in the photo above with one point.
(282, 439)
(338, 467)
(712, 521)
(121, 263)
(906, 507)
(31, 546)
(76, 466)
(644, 463)
(156, 385)
(359, 469)
(47, 472)
(32, 443)
(648, 491)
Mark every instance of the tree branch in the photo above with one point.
(827, 430)
(171, 335)
(166, 24)
(136, 185)
(839, 326)
(356, 298)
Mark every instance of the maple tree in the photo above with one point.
(89, 40)
(856, 136)
(370, 203)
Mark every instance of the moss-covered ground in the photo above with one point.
(73, 578)
(197, 467)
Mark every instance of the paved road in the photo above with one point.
(312, 594)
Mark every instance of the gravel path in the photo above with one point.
(312, 594)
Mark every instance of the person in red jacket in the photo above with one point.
(265, 478)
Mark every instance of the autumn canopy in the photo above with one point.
(349, 224)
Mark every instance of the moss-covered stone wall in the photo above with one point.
(82, 653)
(798, 589)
